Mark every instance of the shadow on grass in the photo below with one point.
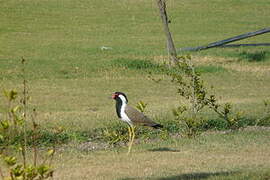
(189, 176)
(165, 149)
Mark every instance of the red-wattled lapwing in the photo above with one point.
(131, 116)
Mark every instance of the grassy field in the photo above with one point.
(70, 79)
(239, 155)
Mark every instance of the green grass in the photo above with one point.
(144, 66)
(254, 56)
(70, 79)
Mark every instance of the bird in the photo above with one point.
(131, 116)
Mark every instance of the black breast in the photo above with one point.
(118, 106)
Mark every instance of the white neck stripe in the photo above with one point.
(124, 101)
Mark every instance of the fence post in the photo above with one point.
(164, 18)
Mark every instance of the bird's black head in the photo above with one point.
(119, 96)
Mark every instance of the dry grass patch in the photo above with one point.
(232, 64)
(249, 68)
(211, 60)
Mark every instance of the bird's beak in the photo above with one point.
(113, 96)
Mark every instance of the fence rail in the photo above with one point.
(224, 43)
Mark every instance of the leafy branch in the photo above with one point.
(14, 122)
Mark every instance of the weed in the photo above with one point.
(48, 137)
(189, 125)
(112, 133)
(116, 133)
(265, 118)
(141, 106)
(190, 86)
(13, 126)
(255, 56)
(218, 124)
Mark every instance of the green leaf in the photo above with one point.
(1, 138)
(141, 106)
(31, 172)
(11, 95)
(17, 171)
(5, 124)
(10, 160)
(50, 152)
(43, 169)
(16, 108)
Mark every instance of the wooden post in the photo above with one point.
(164, 18)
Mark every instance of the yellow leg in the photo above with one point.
(129, 134)
(129, 137)
(132, 138)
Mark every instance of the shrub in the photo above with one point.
(13, 128)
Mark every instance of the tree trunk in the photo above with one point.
(164, 18)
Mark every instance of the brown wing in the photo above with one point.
(138, 118)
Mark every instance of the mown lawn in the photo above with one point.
(235, 155)
(70, 79)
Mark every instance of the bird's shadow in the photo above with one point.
(164, 149)
(188, 176)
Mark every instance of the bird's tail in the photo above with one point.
(157, 126)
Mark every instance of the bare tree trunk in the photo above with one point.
(164, 18)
